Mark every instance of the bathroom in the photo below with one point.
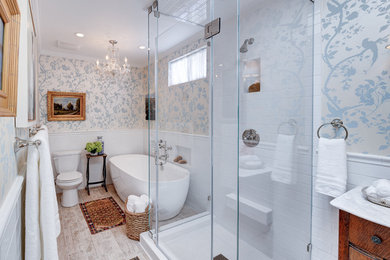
(195, 129)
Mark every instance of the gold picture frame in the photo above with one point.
(10, 17)
(65, 106)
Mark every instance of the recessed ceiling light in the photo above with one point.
(141, 47)
(80, 35)
(388, 47)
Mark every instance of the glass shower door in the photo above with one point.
(179, 136)
(275, 99)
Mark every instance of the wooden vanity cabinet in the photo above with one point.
(360, 239)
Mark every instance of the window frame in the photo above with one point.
(184, 56)
(10, 15)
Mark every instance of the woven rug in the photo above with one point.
(102, 214)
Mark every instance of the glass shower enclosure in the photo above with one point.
(230, 128)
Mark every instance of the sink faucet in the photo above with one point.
(163, 152)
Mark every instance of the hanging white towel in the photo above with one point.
(283, 170)
(42, 218)
(331, 176)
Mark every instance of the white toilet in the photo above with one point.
(68, 178)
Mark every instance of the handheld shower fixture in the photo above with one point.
(244, 46)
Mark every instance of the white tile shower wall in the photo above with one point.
(115, 142)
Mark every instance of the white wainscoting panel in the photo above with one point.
(116, 142)
(11, 222)
(362, 171)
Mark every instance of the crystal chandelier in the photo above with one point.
(112, 64)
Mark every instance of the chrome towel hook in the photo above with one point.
(336, 123)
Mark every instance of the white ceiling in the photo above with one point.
(102, 20)
(125, 21)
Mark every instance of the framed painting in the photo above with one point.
(65, 106)
(9, 56)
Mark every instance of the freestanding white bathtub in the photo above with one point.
(129, 173)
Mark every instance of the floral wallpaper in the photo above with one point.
(356, 71)
(111, 103)
(8, 168)
(184, 107)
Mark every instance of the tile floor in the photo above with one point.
(76, 242)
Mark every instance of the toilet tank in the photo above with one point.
(66, 161)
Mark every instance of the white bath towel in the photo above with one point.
(331, 178)
(42, 218)
(283, 166)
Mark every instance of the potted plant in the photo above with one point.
(94, 147)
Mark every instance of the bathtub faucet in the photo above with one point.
(162, 146)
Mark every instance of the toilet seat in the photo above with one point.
(68, 177)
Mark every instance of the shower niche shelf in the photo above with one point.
(245, 173)
(251, 76)
(250, 209)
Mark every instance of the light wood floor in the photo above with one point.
(76, 242)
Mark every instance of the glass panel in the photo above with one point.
(275, 48)
(225, 134)
(150, 103)
(181, 130)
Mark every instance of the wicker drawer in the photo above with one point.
(369, 236)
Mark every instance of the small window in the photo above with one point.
(189, 67)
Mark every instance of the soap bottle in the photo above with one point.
(100, 139)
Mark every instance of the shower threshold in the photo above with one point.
(192, 241)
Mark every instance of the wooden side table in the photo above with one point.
(89, 156)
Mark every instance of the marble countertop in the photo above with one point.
(354, 203)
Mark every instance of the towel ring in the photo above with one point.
(336, 123)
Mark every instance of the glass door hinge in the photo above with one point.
(212, 28)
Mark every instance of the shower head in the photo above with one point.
(244, 46)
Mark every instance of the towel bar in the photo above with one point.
(21, 143)
(336, 123)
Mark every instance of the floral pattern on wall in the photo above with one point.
(111, 103)
(8, 169)
(356, 71)
(184, 107)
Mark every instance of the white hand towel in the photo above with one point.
(331, 176)
(284, 159)
(382, 187)
(43, 197)
(371, 191)
(132, 198)
(140, 206)
(130, 206)
(145, 198)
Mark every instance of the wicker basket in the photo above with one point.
(136, 223)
